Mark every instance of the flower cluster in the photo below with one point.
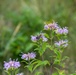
(58, 29)
(51, 26)
(62, 43)
(36, 38)
(42, 45)
(62, 31)
(11, 64)
(29, 56)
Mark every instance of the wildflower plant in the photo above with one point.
(53, 38)
(11, 67)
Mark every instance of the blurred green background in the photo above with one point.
(19, 19)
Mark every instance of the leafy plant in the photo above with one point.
(46, 41)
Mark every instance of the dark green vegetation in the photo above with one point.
(19, 19)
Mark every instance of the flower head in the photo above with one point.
(44, 39)
(38, 37)
(65, 30)
(29, 56)
(62, 31)
(46, 27)
(62, 43)
(51, 26)
(59, 31)
(33, 38)
(11, 64)
(25, 56)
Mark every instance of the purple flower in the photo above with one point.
(62, 43)
(65, 30)
(38, 37)
(25, 56)
(19, 74)
(6, 65)
(33, 38)
(29, 56)
(51, 26)
(59, 31)
(11, 64)
(46, 27)
(44, 39)
(62, 31)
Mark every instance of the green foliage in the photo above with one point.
(42, 44)
(38, 73)
(15, 12)
(25, 22)
(32, 66)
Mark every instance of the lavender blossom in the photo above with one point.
(33, 38)
(59, 31)
(11, 64)
(46, 27)
(29, 56)
(25, 56)
(62, 31)
(38, 37)
(51, 26)
(63, 43)
(44, 39)
(65, 30)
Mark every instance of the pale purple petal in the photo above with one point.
(33, 38)
(46, 27)
(65, 30)
(11, 64)
(29, 56)
(61, 43)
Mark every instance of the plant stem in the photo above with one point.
(51, 69)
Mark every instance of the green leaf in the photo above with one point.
(25, 61)
(30, 67)
(38, 73)
(46, 35)
(57, 53)
(55, 73)
(41, 63)
(50, 47)
(43, 48)
(7, 72)
(65, 57)
(56, 61)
